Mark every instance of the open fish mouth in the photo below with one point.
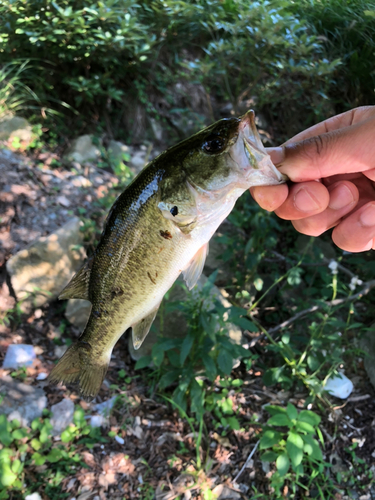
(255, 152)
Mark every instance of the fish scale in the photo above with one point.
(159, 227)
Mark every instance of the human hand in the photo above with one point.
(339, 153)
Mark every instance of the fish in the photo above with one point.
(158, 228)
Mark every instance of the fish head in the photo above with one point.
(229, 152)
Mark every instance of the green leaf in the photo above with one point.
(143, 362)
(292, 411)
(269, 456)
(233, 423)
(224, 361)
(67, 435)
(17, 466)
(7, 477)
(280, 419)
(305, 427)
(38, 458)
(282, 464)
(312, 448)
(294, 447)
(187, 344)
(269, 439)
(310, 417)
(157, 355)
(275, 410)
(54, 455)
(210, 366)
(35, 444)
(168, 378)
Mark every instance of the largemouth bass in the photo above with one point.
(159, 227)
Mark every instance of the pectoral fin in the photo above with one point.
(192, 273)
(78, 287)
(141, 329)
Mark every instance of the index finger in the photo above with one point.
(346, 119)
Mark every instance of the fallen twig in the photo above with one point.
(247, 461)
(364, 291)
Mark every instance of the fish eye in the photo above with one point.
(174, 211)
(214, 144)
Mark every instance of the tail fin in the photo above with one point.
(77, 365)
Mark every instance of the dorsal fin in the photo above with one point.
(192, 273)
(141, 329)
(78, 286)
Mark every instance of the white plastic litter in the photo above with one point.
(339, 386)
(119, 439)
(19, 355)
(42, 376)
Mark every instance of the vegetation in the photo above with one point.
(102, 65)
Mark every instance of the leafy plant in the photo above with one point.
(297, 454)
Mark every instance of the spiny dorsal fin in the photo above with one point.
(78, 287)
(192, 273)
(141, 329)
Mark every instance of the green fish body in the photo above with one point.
(159, 227)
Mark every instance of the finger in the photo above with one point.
(305, 199)
(342, 120)
(370, 174)
(270, 197)
(356, 233)
(343, 197)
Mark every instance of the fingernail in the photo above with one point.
(305, 202)
(367, 217)
(277, 155)
(340, 197)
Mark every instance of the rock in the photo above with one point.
(62, 416)
(60, 350)
(40, 271)
(222, 492)
(82, 150)
(77, 312)
(19, 355)
(367, 344)
(117, 151)
(138, 159)
(22, 402)
(12, 127)
(176, 326)
(33, 496)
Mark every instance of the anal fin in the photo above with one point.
(192, 273)
(78, 286)
(141, 329)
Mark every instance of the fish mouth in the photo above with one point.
(257, 156)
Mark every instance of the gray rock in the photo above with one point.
(82, 150)
(19, 355)
(22, 402)
(15, 126)
(40, 271)
(367, 344)
(60, 350)
(62, 416)
(138, 159)
(77, 312)
(117, 150)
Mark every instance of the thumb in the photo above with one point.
(347, 150)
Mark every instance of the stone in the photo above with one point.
(19, 355)
(33, 496)
(12, 127)
(117, 151)
(62, 416)
(222, 492)
(176, 326)
(77, 312)
(82, 150)
(39, 272)
(21, 401)
(138, 160)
